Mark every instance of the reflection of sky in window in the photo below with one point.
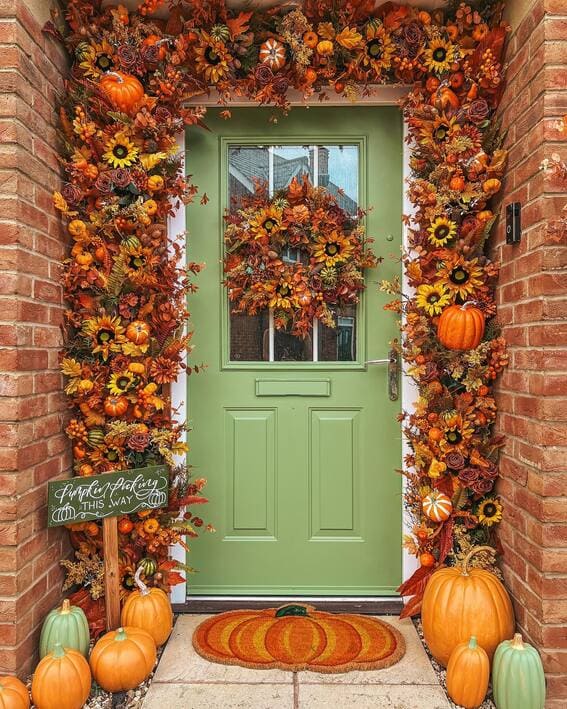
(343, 164)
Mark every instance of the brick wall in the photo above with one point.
(532, 301)
(33, 448)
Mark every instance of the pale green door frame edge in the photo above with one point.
(384, 96)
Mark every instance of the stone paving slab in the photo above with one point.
(184, 680)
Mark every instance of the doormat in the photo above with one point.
(298, 637)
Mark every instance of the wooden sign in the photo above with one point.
(107, 495)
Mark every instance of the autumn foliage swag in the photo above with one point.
(126, 289)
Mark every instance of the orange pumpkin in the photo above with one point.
(461, 327)
(62, 680)
(276, 637)
(467, 674)
(311, 39)
(427, 559)
(272, 53)
(461, 602)
(148, 609)
(138, 332)
(124, 91)
(310, 75)
(125, 526)
(435, 434)
(13, 694)
(437, 506)
(123, 658)
(115, 405)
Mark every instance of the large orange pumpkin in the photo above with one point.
(467, 674)
(124, 91)
(461, 602)
(149, 609)
(296, 637)
(122, 659)
(461, 327)
(13, 694)
(62, 680)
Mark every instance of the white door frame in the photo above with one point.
(381, 96)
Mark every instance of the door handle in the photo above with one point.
(393, 373)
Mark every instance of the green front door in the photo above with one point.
(298, 438)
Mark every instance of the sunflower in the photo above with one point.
(120, 382)
(439, 55)
(332, 248)
(377, 50)
(212, 58)
(105, 333)
(456, 434)
(461, 277)
(283, 296)
(441, 231)
(266, 222)
(97, 59)
(432, 299)
(120, 151)
(436, 134)
(489, 511)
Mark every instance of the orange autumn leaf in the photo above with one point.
(204, 199)
(349, 38)
(239, 25)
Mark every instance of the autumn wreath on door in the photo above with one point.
(296, 252)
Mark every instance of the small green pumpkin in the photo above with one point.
(517, 676)
(67, 625)
(148, 565)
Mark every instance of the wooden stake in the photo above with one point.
(111, 572)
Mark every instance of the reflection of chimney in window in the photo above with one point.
(323, 166)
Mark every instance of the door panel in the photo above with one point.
(334, 473)
(298, 439)
(251, 466)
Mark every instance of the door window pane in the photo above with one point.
(338, 344)
(335, 167)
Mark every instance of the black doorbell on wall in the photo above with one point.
(513, 223)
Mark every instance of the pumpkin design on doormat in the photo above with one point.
(298, 637)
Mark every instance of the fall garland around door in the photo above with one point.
(131, 77)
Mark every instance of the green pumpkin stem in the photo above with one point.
(58, 651)
(66, 607)
(473, 644)
(517, 642)
(293, 610)
(120, 635)
(142, 588)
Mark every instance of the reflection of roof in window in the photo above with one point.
(246, 163)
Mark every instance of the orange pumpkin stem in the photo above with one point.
(120, 635)
(473, 643)
(469, 556)
(142, 588)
